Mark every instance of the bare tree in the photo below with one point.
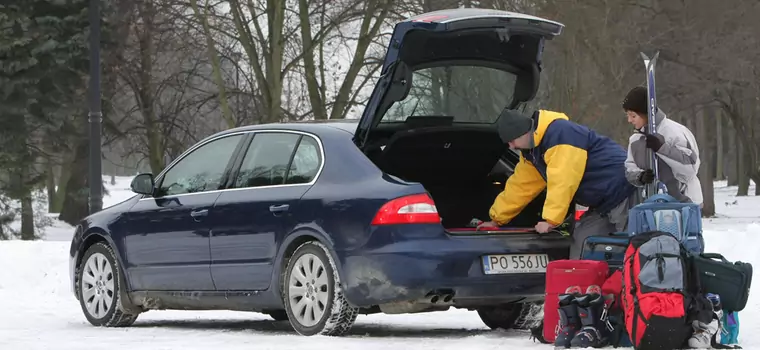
(164, 82)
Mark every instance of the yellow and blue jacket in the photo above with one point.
(573, 163)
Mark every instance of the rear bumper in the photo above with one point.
(411, 270)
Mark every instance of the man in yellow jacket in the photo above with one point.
(574, 164)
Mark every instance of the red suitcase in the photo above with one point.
(561, 274)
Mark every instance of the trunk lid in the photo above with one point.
(452, 53)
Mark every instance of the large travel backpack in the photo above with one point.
(661, 292)
(662, 212)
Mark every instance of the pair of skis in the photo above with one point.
(656, 186)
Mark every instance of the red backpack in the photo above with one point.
(660, 292)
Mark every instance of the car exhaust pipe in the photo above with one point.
(448, 298)
(441, 298)
(444, 296)
(435, 298)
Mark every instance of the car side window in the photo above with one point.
(201, 170)
(305, 163)
(266, 160)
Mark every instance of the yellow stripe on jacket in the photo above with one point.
(565, 166)
(521, 188)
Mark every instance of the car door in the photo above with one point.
(251, 218)
(167, 246)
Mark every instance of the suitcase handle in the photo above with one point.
(715, 256)
(619, 234)
(661, 198)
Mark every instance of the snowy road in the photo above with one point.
(37, 310)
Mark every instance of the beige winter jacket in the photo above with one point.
(678, 159)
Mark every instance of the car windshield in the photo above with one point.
(469, 94)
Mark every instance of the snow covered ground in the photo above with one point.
(38, 311)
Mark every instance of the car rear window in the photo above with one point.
(469, 94)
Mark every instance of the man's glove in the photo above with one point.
(646, 176)
(654, 141)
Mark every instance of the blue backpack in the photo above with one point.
(662, 212)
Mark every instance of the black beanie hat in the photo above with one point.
(513, 124)
(636, 100)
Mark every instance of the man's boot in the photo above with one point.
(593, 332)
(569, 323)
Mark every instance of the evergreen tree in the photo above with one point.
(43, 66)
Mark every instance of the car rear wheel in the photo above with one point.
(501, 317)
(99, 286)
(313, 300)
(512, 316)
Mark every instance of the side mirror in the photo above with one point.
(143, 184)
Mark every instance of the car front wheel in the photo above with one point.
(99, 287)
(311, 293)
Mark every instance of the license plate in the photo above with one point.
(515, 263)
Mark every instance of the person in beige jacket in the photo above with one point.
(674, 145)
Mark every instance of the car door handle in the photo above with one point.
(279, 208)
(199, 213)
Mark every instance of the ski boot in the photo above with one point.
(569, 323)
(590, 308)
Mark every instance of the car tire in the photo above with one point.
(532, 315)
(311, 293)
(501, 317)
(99, 286)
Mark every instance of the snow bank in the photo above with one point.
(741, 242)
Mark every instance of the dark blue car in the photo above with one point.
(318, 222)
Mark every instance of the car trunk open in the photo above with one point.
(446, 78)
(456, 166)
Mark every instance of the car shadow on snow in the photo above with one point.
(373, 330)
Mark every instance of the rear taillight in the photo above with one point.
(579, 213)
(413, 209)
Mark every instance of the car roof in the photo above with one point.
(318, 128)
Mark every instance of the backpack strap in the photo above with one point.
(649, 217)
(685, 220)
(693, 284)
(616, 327)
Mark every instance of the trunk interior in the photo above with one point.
(458, 165)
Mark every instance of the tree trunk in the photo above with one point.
(63, 181)
(741, 168)
(313, 88)
(719, 175)
(50, 183)
(732, 166)
(756, 180)
(146, 94)
(213, 56)
(27, 216)
(75, 198)
(705, 170)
